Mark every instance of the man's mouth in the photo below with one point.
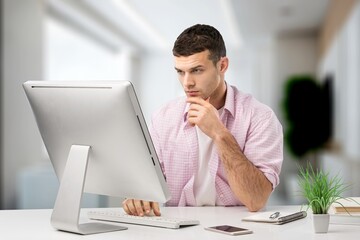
(193, 93)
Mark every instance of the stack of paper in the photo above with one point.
(350, 215)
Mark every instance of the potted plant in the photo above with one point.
(320, 191)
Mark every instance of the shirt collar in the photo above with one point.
(229, 103)
(230, 100)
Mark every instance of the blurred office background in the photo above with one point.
(268, 41)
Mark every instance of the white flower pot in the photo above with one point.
(321, 223)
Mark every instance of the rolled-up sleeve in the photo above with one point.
(264, 146)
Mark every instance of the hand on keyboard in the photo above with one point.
(154, 221)
(140, 207)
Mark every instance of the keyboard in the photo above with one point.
(153, 221)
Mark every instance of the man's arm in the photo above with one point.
(247, 182)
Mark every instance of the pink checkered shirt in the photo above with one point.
(254, 126)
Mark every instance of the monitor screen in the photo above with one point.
(102, 123)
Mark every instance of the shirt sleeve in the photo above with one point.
(264, 146)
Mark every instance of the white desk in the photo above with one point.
(35, 224)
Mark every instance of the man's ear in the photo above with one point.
(224, 64)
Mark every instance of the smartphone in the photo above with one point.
(230, 230)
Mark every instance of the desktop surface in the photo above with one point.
(35, 224)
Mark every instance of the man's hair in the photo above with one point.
(199, 38)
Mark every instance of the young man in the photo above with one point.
(217, 145)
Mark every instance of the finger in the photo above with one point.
(206, 106)
(130, 206)
(147, 207)
(192, 113)
(195, 107)
(197, 114)
(139, 207)
(192, 118)
(156, 208)
(196, 100)
(125, 207)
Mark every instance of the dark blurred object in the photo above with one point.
(308, 110)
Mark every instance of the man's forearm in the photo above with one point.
(248, 183)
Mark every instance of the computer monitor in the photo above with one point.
(98, 142)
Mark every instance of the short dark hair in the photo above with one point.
(199, 38)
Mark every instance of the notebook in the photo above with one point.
(275, 217)
(352, 205)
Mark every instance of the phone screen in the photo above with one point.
(229, 229)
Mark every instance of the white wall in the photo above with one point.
(343, 61)
(241, 69)
(157, 82)
(22, 60)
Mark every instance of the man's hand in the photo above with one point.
(204, 115)
(140, 208)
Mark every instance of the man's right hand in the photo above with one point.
(140, 207)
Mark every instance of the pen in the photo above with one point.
(274, 215)
(293, 216)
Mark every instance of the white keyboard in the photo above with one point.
(154, 221)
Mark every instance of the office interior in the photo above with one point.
(267, 42)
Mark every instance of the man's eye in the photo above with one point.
(197, 70)
(180, 72)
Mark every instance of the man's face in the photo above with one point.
(199, 76)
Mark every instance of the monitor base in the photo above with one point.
(66, 212)
(93, 228)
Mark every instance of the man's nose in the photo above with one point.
(188, 80)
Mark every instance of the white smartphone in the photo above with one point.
(230, 230)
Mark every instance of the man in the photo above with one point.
(217, 145)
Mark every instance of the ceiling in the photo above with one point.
(155, 24)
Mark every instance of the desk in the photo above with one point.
(35, 224)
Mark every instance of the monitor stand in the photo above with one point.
(66, 212)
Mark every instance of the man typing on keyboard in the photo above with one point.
(217, 146)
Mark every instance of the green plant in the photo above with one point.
(320, 190)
